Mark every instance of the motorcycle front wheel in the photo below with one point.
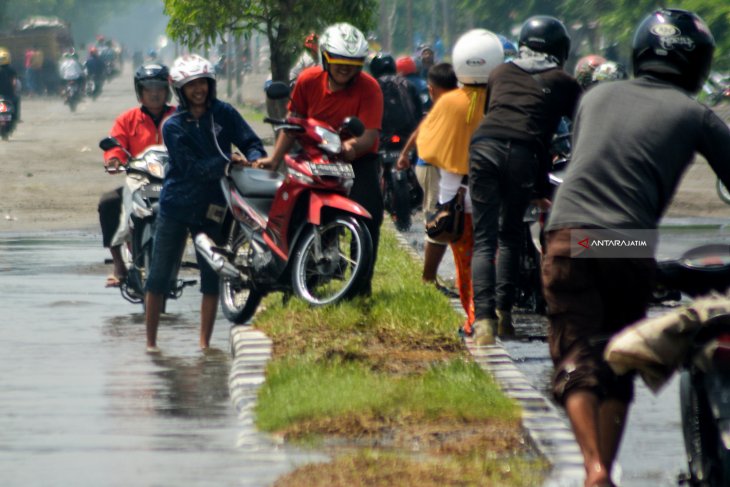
(238, 301)
(722, 192)
(332, 260)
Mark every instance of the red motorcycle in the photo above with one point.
(298, 233)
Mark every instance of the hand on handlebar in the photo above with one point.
(404, 161)
(112, 165)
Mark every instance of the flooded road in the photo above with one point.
(84, 405)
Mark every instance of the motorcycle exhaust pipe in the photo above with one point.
(220, 265)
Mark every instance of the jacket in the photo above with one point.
(200, 150)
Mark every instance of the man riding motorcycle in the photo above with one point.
(9, 82)
(136, 129)
(332, 92)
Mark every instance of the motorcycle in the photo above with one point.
(402, 195)
(7, 118)
(529, 284)
(143, 185)
(697, 343)
(72, 93)
(298, 233)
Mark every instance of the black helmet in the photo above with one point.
(382, 64)
(676, 45)
(543, 33)
(152, 75)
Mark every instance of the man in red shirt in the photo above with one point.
(136, 129)
(332, 92)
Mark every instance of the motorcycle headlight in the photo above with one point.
(330, 141)
(156, 169)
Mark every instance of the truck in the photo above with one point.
(50, 35)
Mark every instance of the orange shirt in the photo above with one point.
(313, 98)
(136, 131)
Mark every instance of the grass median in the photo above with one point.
(386, 387)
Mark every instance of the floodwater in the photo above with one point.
(652, 451)
(84, 405)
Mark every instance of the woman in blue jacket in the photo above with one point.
(198, 137)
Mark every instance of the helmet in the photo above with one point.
(475, 54)
(4, 57)
(676, 44)
(423, 48)
(383, 63)
(311, 41)
(343, 44)
(585, 67)
(150, 75)
(509, 48)
(152, 54)
(546, 34)
(405, 65)
(188, 68)
(609, 71)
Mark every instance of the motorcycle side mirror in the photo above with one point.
(108, 143)
(353, 126)
(277, 91)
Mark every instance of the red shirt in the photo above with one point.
(313, 98)
(136, 131)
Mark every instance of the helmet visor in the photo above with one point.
(350, 61)
(152, 84)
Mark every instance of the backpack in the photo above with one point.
(399, 111)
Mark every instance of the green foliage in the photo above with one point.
(284, 22)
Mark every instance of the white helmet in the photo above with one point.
(475, 54)
(343, 44)
(188, 68)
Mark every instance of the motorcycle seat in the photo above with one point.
(256, 183)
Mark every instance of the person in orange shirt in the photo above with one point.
(332, 92)
(136, 129)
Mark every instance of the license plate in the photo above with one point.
(156, 188)
(338, 169)
(390, 156)
(5, 117)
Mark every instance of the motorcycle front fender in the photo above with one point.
(318, 201)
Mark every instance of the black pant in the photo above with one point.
(110, 209)
(366, 192)
(502, 175)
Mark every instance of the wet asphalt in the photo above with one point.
(84, 405)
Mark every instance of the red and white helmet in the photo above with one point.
(188, 68)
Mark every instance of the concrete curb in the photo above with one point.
(546, 428)
(251, 350)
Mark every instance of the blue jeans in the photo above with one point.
(502, 175)
(167, 251)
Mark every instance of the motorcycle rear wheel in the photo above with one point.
(238, 301)
(332, 260)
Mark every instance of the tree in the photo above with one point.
(284, 22)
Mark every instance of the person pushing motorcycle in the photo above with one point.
(135, 129)
(632, 142)
(198, 137)
(332, 92)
